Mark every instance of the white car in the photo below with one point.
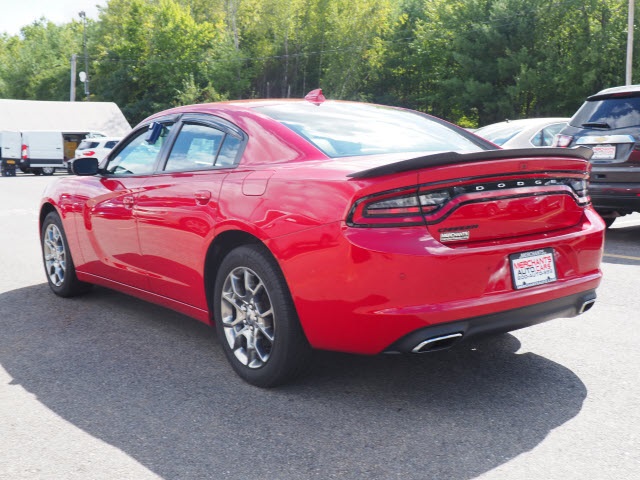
(527, 133)
(96, 147)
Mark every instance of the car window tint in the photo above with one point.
(111, 144)
(615, 112)
(195, 148)
(229, 151)
(138, 157)
(548, 133)
(350, 129)
(84, 145)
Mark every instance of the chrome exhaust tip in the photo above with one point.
(437, 343)
(586, 306)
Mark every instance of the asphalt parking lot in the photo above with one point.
(108, 387)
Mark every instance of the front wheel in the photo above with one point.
(48, 170)
(256, 320)
(58, 265)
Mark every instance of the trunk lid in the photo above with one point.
(482, 196)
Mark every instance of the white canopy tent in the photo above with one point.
(65, 117)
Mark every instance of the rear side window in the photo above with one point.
(195, 148)
(111, 144)
(86, 144)
(614, 112)
(200, 147)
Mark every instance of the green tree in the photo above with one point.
(35, 64)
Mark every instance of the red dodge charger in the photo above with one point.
(294, 225)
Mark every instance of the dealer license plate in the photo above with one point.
(603, 152)
(529, 269)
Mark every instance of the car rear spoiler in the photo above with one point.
(450, 158)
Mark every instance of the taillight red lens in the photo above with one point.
(25, 152)
(399, 208)
(89, 153)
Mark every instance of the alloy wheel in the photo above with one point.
(55, 258)
(247, 317)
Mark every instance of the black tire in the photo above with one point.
(36, 171)
(265, 349)
(47, 171)
(58, 264)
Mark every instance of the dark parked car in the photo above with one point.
(300, 224)
(609, 123)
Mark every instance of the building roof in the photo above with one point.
(66, 117)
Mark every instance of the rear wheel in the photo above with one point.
(58, 265)
(256, 320)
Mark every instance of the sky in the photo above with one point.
(15, 14)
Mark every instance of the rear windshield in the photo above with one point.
(352, 129)
(610, 112)
(500, 133)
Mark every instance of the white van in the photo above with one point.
(42, 152)
(10, 149)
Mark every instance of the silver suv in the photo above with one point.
(609, 123)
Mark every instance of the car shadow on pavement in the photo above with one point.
(622, 245)
(156, 385)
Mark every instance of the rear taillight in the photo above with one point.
(562, 141)
(398, 208)
(580, 187)
(25, 152)
(409, 207)
(89, 153)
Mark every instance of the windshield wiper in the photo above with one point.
(596, 125)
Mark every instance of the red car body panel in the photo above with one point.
(356, 289)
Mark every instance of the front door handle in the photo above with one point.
(203, 196)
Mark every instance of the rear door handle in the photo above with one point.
(203, 196)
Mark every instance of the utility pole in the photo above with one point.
(83, 16)
(72, 93)
(630, 24)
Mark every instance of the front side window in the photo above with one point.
(138, 157)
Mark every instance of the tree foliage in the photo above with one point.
(469, 61)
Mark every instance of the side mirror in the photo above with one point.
(84, 166)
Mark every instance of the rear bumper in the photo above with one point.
(361, 290)
(496, 323)
(612, 197)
